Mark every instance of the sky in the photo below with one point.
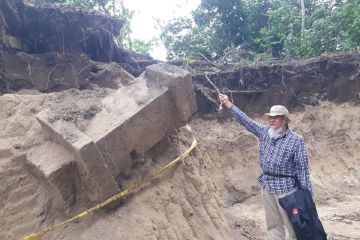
(144, 22)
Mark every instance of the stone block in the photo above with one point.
(132, 120)
(138, 116)
(137, 133)
(56, 166)
(180, 84)
(93, 171)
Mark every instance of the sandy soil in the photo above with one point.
(213, 195)
(331, 135)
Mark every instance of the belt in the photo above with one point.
(297, 183)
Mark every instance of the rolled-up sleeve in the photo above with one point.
(302, 165)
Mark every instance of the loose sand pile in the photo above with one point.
(213, 195)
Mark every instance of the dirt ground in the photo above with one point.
(330, 133)
(214, 194)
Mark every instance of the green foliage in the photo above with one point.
(127, 15)
(266, 27)
(144, 46)
(182, 38)
(215, 26)
(283, 24)
(330, 28)
(349, 16)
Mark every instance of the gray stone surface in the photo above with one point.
(138, 116)
(56, 166)
(137, 133)
(179, 83)
(95, 176)
(131, 121)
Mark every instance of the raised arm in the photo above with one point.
(252, 126)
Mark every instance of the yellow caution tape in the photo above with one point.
(118, 195)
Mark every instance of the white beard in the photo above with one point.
(275, 133)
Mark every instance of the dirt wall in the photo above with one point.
(258, 86)
(51, 48)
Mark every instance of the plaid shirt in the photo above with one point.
(285, 155)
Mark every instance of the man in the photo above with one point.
(282, 155)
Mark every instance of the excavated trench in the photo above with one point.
(81, 118)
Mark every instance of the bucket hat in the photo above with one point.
(278, 110)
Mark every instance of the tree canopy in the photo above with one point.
(262, 28)
(265, 28)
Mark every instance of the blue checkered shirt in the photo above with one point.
(285, 155)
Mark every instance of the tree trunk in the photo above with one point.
(114, 8)
(302, 19)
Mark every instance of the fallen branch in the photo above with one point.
(212, 64)
(212, 84)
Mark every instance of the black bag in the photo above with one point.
(302, 213)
